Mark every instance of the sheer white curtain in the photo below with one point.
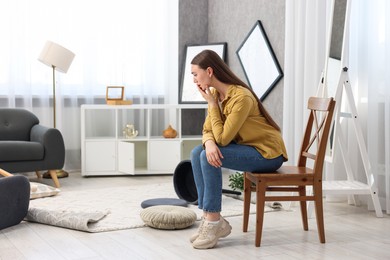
(304, 62)
(369, 54)
(117, 43)
(370, 77)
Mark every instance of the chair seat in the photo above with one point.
(294, 170)
(296, 175)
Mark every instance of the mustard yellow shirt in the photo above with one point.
(240, 120)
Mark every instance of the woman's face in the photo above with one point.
(201, 76)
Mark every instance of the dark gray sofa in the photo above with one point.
(27, 146)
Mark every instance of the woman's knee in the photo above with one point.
(195, 153)
(203, 156)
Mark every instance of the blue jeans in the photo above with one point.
(208, 179)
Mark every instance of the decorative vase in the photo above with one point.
(169, 132)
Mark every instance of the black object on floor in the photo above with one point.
(183, 181)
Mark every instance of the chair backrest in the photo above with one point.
(316, 135)
(16, 124)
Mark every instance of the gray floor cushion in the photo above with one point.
(163, 201)
(168, 217)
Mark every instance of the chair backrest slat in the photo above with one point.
(309, 155)
(317, 131)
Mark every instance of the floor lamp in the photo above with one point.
(60, 59)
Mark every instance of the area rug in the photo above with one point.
(110, 209)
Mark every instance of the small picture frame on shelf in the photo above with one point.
(115, 95)
(115, 92)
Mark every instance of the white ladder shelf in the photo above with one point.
(351, 186)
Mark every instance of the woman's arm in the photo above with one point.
(225, 132)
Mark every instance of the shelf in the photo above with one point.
(100, 138)
(191, 137)
(106, 151)
(345, 187)
(135, 139)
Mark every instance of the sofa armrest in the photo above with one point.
(53, 143)
(14, 200)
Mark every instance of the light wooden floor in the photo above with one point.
(351, 233)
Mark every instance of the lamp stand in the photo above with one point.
(54, 96)
(60, 173)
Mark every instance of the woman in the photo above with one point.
(238, 134)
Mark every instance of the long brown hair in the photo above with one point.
(223, 73)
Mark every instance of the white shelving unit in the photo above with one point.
(105, 150)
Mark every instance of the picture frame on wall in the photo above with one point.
(258, 60)
(188, 92)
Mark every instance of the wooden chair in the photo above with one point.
(291, 181)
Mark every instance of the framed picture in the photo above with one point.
(188, 92)
(258, 60)
(115, 93)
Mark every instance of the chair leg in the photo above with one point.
(303, 204)
(247, 202)
(38, 174)
(260, 203)
(319, 214)
(53, 174)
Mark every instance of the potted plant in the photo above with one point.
(236, 181)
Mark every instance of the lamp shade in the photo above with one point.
(55, 55)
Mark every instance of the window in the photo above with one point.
(116, 42)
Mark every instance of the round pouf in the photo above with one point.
(183, 182)
(163, 201)
(168, 217)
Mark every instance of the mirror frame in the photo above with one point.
(188, 93)
(336, 57)
(336, 61)
(258, 60)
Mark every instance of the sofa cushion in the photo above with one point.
(21, 151)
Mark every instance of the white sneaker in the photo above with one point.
(195, 236)
(210, 233)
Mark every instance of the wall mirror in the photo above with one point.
(336, 58)
(258, 60)
(188, 92)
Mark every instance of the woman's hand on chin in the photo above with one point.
(207, 95)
